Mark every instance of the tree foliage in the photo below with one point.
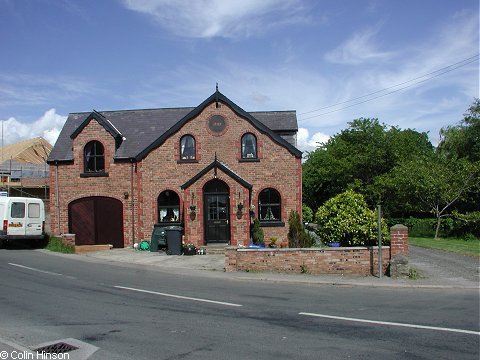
(347, 219)
(307, 213)
(355, 157)
(432, 184)
(463, 140)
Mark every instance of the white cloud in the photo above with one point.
(224, 18)
(47, 126)
(359, 49)
(307, 143)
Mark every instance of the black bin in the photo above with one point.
(159, 238)
(174, 240)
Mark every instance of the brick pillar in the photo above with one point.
(68, 239)
(230, 259)
(398, 240)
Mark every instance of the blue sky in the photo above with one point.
(61, 56)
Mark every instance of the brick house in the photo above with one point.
(114, 174)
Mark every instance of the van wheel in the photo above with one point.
(2, 244)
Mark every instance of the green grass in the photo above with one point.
(470, 247)
(56, 244)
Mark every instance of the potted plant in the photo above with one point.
(189, 249)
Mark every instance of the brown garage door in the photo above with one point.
(96, 220)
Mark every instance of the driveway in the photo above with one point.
(444, 267)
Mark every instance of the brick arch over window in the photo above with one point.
(269, 205)
(168, 204)
(187, 148)
(249, 148)
(94, 157)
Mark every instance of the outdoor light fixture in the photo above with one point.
(125, 195)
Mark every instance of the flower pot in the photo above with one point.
(189, 251)
(334, 244)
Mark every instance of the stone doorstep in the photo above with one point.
(216, 249)
(81, 249)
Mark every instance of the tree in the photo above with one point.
(355, 157)
(431, 184)
(257, 233)
(307, 213)
(347, 219)
(297, 237)
(463, 140)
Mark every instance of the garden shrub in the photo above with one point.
(347, 219)
(297, 236)
(307, 214)
(257, 233)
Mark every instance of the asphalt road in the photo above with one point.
(132, 312)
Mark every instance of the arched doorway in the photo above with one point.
(216, 204)
(96, 220)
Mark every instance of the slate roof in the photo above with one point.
(140, 131)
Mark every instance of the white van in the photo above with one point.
(22, 218)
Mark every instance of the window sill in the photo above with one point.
(187, 161)
(247, 160)
(93, 174)
(272, 223)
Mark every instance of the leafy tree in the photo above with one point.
(433, 184)
(355, 157)
(463, 140)
(347, 219)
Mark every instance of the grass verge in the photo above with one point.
(56, 244)
(469, 247)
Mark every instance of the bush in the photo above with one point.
(297, 236)
(457, 225)
(307, 214)
(257, 233)
(347, 219)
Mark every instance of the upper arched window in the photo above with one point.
(249, 146)
(269, 203)
(168, 206)
(94, 157)
(187, 148)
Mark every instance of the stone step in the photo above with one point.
(80, 249)
(214, 249)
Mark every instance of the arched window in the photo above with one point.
(249, 146)
(187, 148)
(168, 207)
(94, 157)
(269, 203)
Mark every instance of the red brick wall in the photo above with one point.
(340, 261)
(72, 187)
(399, 240)
(277, 168)
(161, 170)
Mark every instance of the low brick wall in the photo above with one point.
(362, 261)
(347, 260)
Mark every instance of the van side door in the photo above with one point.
(34, 218)
(17, 218)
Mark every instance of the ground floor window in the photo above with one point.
(168, 207)
(269, 203)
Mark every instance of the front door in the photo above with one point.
(217, 215)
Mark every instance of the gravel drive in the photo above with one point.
(444, 267)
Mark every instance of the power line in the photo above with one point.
(437, 73)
